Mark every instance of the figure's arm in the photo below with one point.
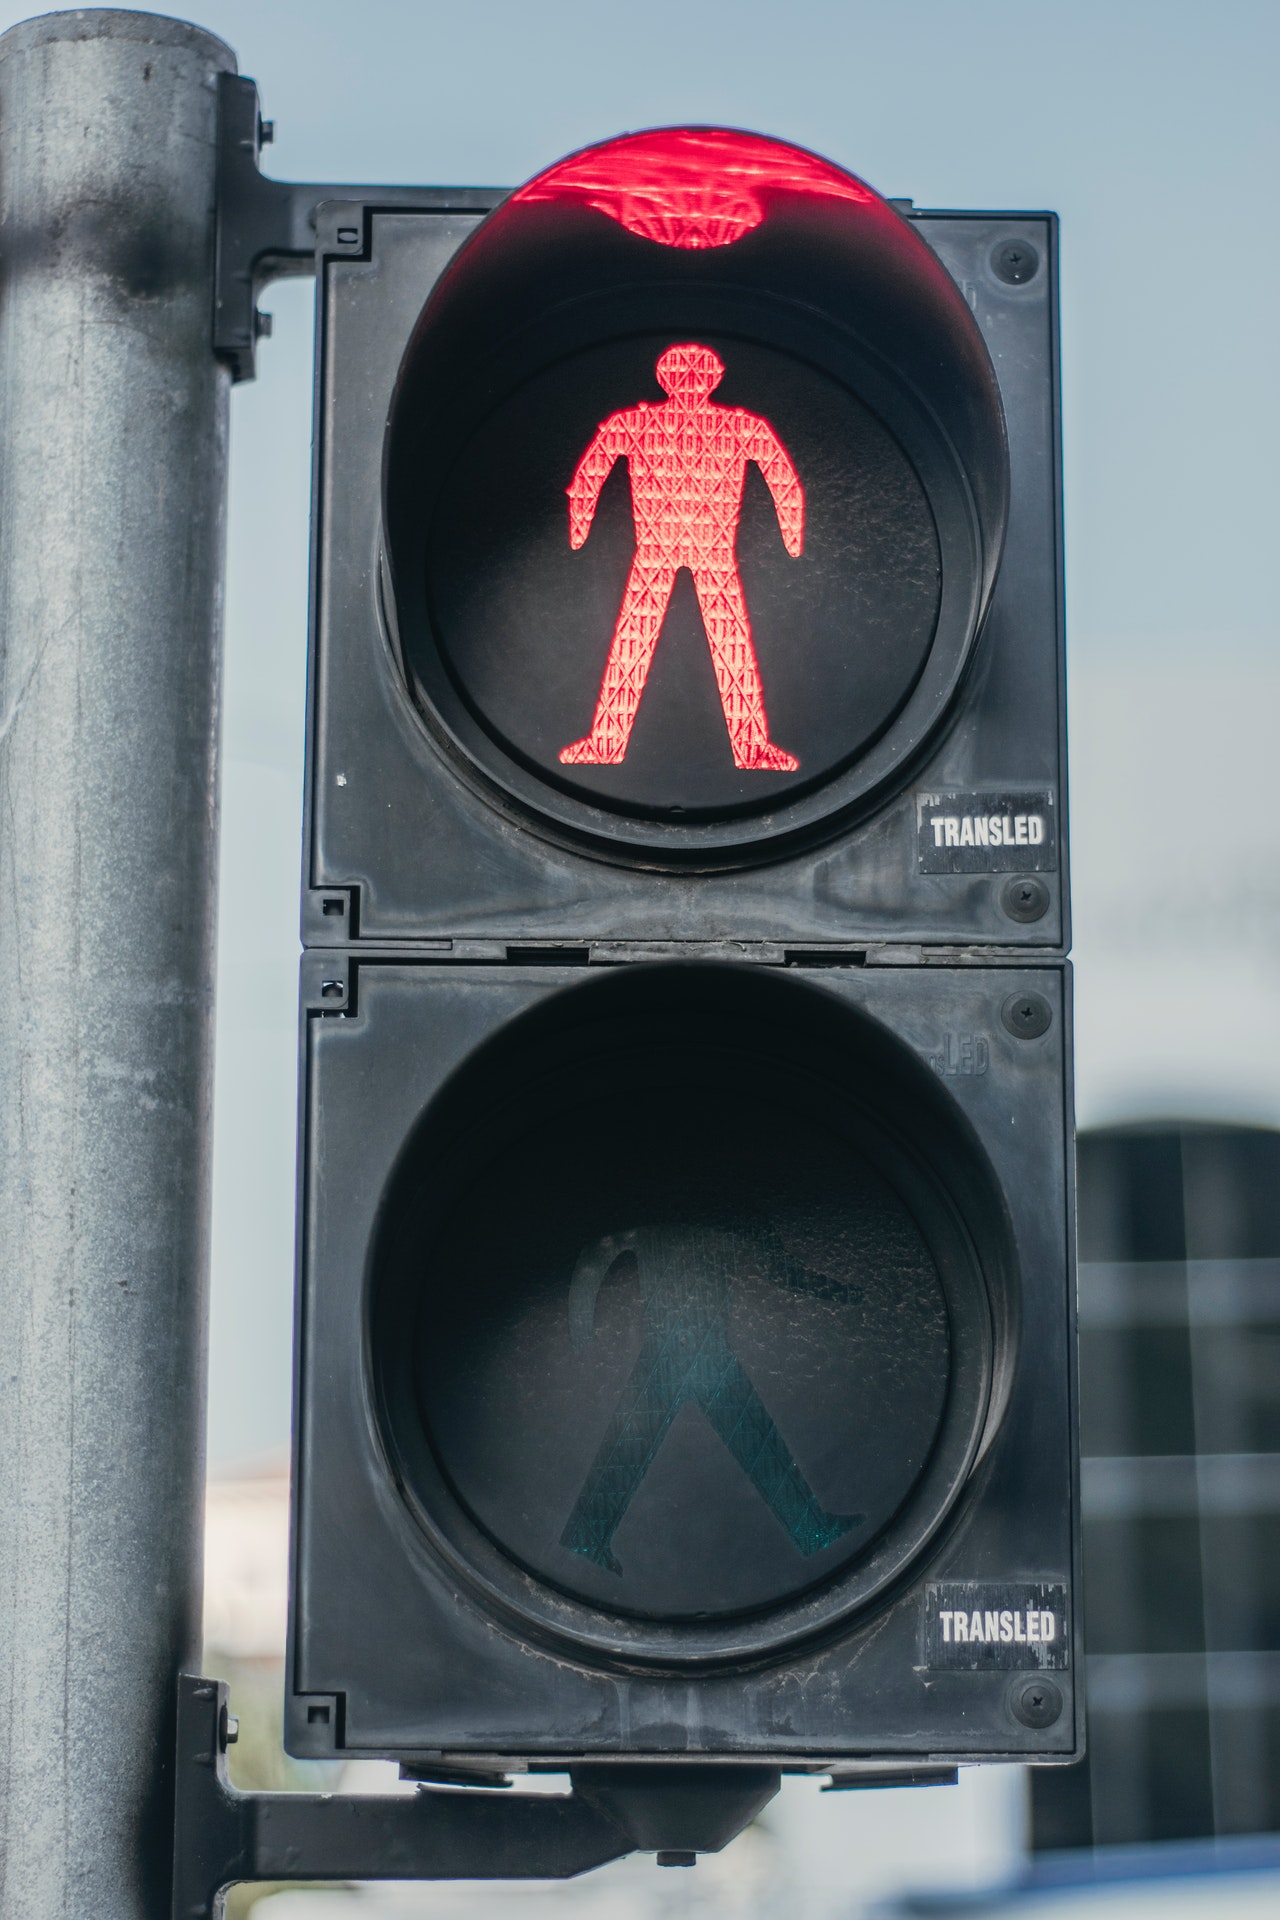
(593, 470)
(774, 462)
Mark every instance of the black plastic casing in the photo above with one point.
(400, 825)
(438, 914)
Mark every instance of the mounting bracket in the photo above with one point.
(222, 1835)
(266, 229)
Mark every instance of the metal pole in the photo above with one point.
(113, 418)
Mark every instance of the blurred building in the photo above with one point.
(1180, 1432)
(246, 1556)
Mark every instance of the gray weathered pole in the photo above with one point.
(112, 475)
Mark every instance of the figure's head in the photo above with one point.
(690, 372)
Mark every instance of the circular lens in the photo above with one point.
(691, 516)
(674, 1320)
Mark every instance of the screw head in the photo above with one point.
(1025, 898)
(1015, 262)
(1035, 1700)
(1026, 1015)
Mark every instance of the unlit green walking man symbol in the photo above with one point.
(685, 1357)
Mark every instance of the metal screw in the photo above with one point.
(332, 990)
(266, 132)
(1026, 1015)
(1015, 262)
(671, 1858)
(1037, 1702)
(262, 325)
(1025, 898)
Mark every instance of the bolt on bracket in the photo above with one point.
(266, 229)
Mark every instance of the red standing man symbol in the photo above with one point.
(688, 461)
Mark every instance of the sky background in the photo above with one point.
(1152, 129)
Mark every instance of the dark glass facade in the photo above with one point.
(1180, 1438)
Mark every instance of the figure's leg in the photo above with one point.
(635, 635)
(733, 654)
(646, 1407)
(746, 1426)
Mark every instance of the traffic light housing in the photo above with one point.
(684, 1337)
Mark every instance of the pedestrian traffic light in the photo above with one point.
(684, 1330)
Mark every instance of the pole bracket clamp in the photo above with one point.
(223, 1835)
(266, 229)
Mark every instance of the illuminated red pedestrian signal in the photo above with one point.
(684, 1326)
(687, 461)
(760, 699)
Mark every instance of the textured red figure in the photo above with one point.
(688, 461)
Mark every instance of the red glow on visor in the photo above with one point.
(691, 186)
(688, 460)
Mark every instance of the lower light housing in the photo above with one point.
(686, 1316)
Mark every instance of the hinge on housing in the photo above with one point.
(328, 982)
(330, 916)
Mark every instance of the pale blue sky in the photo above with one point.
(1153, 130)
